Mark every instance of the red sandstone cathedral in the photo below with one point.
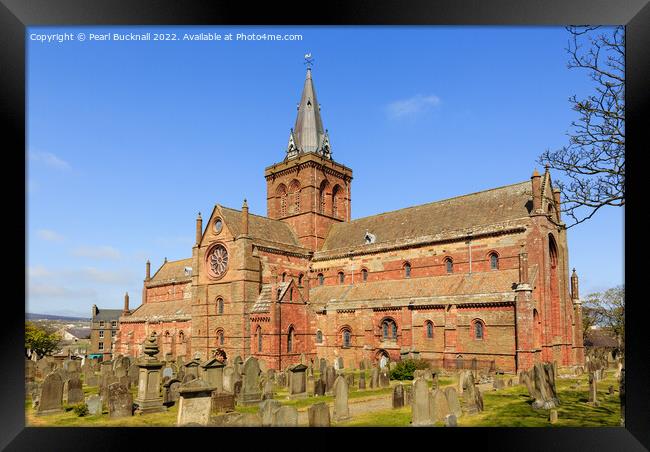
(481, 278)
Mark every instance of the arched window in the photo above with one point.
(336, 195)
(300, 279)
(181, 337)
(449, 264)
(479, 330)
(389, 329)
(321, 279)
(279, 293)
(281, 193)
(290, 293)
(407, 270)
(220, 337)
(341, 277)
(429, 329)
(259, 338)
(347, 337)
(294, 192)
(319, 337)
(322, 196)
(364, 274)
(494, 261)
(290, 340)
(284, 276)
(219, 305)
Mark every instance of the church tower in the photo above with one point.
(308, 189)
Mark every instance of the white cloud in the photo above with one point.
(49, 159)
(97, 252)
(39, 271)
(413, 105)
(49, 235)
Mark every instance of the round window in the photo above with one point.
(218, 261)
(218, 225)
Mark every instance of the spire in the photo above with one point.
(308, 134)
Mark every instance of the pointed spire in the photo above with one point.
(308, 134)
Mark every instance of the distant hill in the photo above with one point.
(30, 316)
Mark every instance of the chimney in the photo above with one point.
(244, 218)
(575, 294)
(199, 228)
(556, 198)
(536, 180)
(523, 267)
(126, 304)
(147, 276)
(95, 310)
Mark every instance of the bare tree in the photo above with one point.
(593, 163)
(607, 310)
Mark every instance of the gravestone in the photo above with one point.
(228, 378)
(323, 367)
(149, 399)
(192, 368)
(51, 395)
(398, 396)
(350, 380)
(384, 378)
(236, 390)
(267, 411)
(593, 390)
(134, 374)
(94, 403)
(170, 392)
(439, 408)
(339, 362)
(212, 373)
(282, 379)
(330, 378)
(285, 416)
(319, 388)
(222, 402)
(269, 389)
(298, 381)
(30, 370)
(341, 409)
(453, 402)
(420, 405)
(120, 401)
(238, 364)
(374, 378)
(91, 380)
(408, 394)
(251, 394)
(75, 393)
(451, 420)
(195, 403)
(311, 385)
(362, 380)
(498, 383)
(362, 365)
(319, 415)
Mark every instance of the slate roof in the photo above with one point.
(79, 333)
(263, 302)
(484, 286)
(165, 310)
(107, 314)
(260, 227)
(487, 207)
(173, 270)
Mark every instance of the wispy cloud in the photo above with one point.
(121, 277)
(58, 291)
(49, 235)
(49, 159)
(411, 106)
(97, 252)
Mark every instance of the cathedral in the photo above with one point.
(479, 279)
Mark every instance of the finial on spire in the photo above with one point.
(309, 61)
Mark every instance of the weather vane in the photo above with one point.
(309, 61)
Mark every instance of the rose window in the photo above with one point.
(218, 260)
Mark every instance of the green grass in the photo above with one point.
(384, 418)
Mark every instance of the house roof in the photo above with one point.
(79, 333)
(166, 310)
(107, 314)
(171, 270)
(260, 227)
(487, 207)
(600, 338)
(489, 286)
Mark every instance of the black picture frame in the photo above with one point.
(16, 15)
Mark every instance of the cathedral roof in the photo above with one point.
(173, 270)
(260, 227)
(491, 286)
(461, 213)
(164, 311)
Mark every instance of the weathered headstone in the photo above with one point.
(298, 381)
(94, 403)
(341, 409)
(228, 378)
(251, 394)
(195, 403)
(593, 390)
(330, 377)
(285, 416)
(420, 405)
(350, 380)
(439, 408)
(453, 402)
(319, 415)
(149, 399)
(362, 380)
(311, 385)
(374, 378)
(398, 396)
(384, 378)
(222, 402)
(51, 396)
(267, 411)
(408, 394)
(120, 401)
(192, 368)
(238, 364)
(319, 388)
(75, 393)
(322, 368)
(212, 373)
(268, 392)
(451, 420)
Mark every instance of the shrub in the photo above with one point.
(80, 409)
(405, 369)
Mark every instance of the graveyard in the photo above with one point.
(149, 392)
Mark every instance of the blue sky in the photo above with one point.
(127, 140)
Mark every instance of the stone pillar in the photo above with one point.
(149, 399)
(536, 182)
(524, 317)
(578, 340)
